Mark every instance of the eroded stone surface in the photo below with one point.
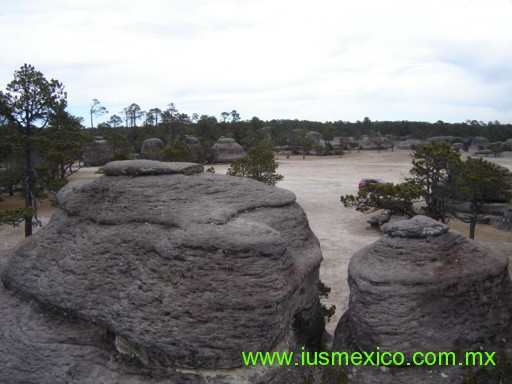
(150, 167)
(184, 271)
(417, 227)
(425, 290)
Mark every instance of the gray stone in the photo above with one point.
(195, 146)
(417, 227)
(446, 139)
(409, 144)
(505, 224)
(479, 143)
(425, 293)
(457, 147)
(227, 150)
(150, 167)
(181, 271)
(151, 147)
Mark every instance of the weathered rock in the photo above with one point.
(479, 143)
(97, 153)
(409, 144)
(151, 147)
(507, 145)
(457, 147)
(378, 220)
(446, 139)
(227, 149)
(424, 290)
(415, 228)
(181, 271)
(37, 346)
(195, 146)
(150, 167)
(505, 224)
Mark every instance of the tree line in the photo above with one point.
(40, 141)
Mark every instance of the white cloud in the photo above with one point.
(327, 60)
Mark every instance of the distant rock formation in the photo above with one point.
(423, 288)
(505, 224)
(227, 150)
(409, 144)
(446, 139)
(150, 148)
(156, 268)
(195, 146)
(507, 145)
(479, 143)
(97, 153)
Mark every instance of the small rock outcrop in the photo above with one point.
(97, 153)
(445, 139)
(159, 268)
(227, 150)
(151, 148)
(195, 146)
(424, 288)
(479, 143)
(505, 224)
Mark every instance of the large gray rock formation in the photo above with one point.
(97, 153)
(150, 148)
(423, 288)
(195, 146)
(227, 150)
(505, 223)
(446, 139)
(479, 143)
(168, 268)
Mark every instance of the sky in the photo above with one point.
(322, 60)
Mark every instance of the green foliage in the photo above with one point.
(258, 164)
(211, 170)
(395, 198)
(118, 142)
(28, 105)
(496, 148)
(16, 216)
(324, 291)
(433, 165)
(501, 373)
(177, 151)
(62, 143)
(477, 182)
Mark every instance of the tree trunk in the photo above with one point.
(472, 225)
(29, 183)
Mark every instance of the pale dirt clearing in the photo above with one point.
(318, 183)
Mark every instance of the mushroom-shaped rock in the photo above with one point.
(227, 150)
(424, 288)
(182, 269)
(151, 148)
(480, 143)
(195, 146)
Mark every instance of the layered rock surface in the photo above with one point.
(423, 288)
(227, 150)
(180, 270)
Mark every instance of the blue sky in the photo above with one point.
(322, 60)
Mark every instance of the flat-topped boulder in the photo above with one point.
(150, 167)
(424, 288)
(181, 269)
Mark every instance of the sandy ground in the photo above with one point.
(318, 184)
